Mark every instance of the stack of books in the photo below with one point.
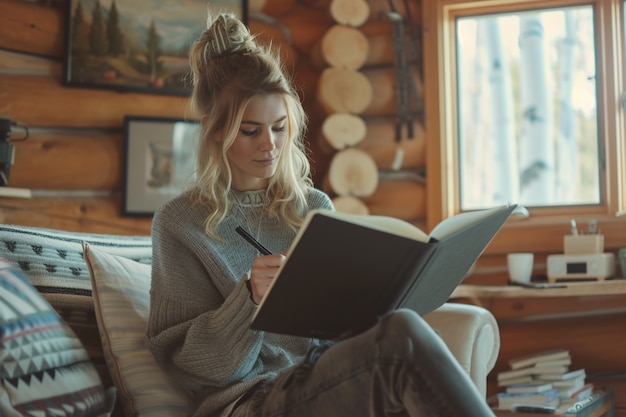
(542, 378)
(599, 404)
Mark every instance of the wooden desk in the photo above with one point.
(586, 317)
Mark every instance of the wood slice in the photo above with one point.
(343, 130)
(344, 91)
(344, 47)
(352, 172)
(350, 12)
(349, 204)
(404, 199)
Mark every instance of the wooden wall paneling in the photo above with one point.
(270, 31)
(32, 27)
(271, 7)
(15, 63)
(69, 159)
(93, 214)
(404, 199)
(383, 82)
(306, 26)
(380, 142)
(382, 6)
(43, 101)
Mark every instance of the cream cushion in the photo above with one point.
(121, 293)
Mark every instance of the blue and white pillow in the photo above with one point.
(44, 369)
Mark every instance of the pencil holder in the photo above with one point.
(581, 244)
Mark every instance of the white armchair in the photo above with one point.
(471, 333)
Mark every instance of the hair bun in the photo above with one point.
(225, 35)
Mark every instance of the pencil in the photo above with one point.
(252, 241)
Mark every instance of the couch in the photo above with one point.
(98, 285)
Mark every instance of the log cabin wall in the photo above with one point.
(72, 159)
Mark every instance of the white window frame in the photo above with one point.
(543, 230)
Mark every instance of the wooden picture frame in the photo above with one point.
(141, 45)
(159, 161)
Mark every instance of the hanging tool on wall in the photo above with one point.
(407, 97)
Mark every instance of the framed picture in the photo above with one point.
(136, 45)
(159, 161)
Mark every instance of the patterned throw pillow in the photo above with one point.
(44, 370)
(121, 292)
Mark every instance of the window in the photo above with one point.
(492, 68)
(527, 111)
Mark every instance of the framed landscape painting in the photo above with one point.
(136, 45)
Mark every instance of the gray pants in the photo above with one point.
(400, 367)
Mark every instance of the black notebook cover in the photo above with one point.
(341, 277)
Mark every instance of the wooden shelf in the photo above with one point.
(510, 302)
(572, 289)
(15, 192)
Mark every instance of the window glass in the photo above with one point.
(527, 109)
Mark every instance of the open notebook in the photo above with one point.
(344, 271)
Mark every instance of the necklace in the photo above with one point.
(251, 206)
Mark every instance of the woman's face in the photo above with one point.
(254, 154)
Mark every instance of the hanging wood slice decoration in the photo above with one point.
(353, 172)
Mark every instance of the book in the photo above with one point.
(556, 362)
(524, 379)
(530, 387)
(562, 376)
(549, 398)
(534, 371)
(344, 271)
(570, 398)
(599, 404)
(538, 357)
(579, 381)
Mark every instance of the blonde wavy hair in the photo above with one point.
(228, 69)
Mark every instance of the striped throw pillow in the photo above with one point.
(121, 292)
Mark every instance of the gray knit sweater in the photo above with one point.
(200, 312)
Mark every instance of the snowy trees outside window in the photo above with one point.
(527, 109)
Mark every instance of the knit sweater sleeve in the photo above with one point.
(202, 337)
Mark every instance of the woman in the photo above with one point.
(252, 171)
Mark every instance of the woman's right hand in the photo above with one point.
(262, 274)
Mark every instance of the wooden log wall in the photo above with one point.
(358, 92)
(72, 159)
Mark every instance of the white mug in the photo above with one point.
(520, 266)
